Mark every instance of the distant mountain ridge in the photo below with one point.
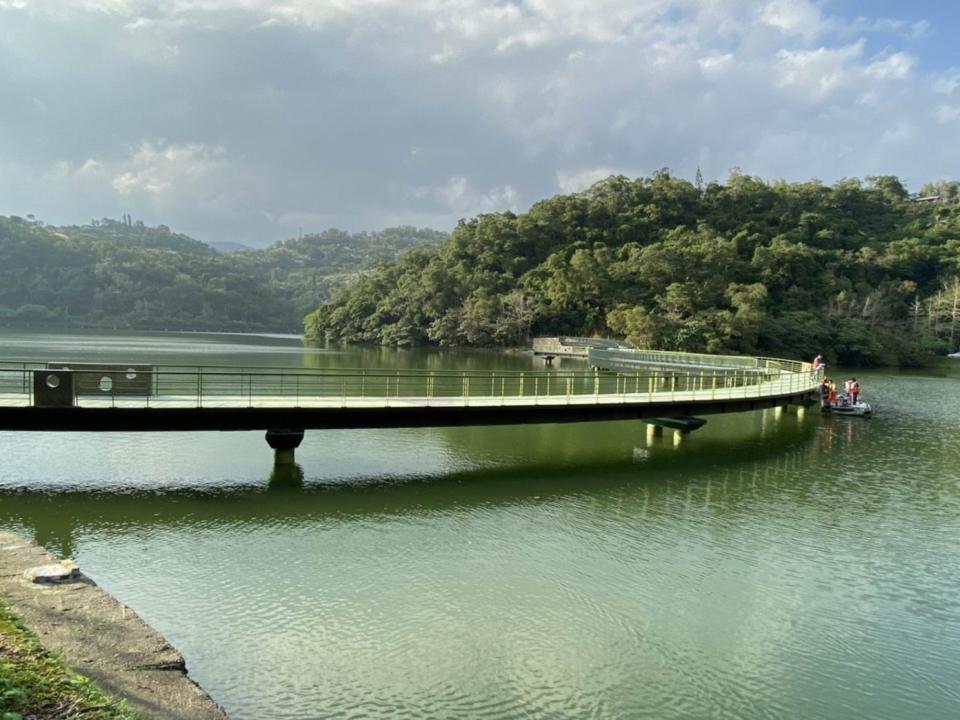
(125, 274)
(227, 246)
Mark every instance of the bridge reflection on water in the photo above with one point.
(647, 474)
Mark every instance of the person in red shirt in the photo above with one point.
(854, 391)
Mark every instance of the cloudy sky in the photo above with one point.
(248, 119)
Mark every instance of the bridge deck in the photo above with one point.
(768, 389)
(148, 398)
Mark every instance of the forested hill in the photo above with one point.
(123, 274)
(857, 271)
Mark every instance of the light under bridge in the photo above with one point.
(663, 388)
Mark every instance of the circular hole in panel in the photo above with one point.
(53, 381)
(131, 374)
(106, 384)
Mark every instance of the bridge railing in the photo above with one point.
(242, 387)
(622, 358)
(567, 346)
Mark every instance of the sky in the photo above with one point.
(251, 121)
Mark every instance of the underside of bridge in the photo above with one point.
(105, 419)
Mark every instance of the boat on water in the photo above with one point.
(843, 406)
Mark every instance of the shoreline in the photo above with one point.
(101, 638)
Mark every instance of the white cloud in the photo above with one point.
(90, 167)
(716, 64)
(947, 114)
(894, 67)
(819, 71)
(574, 181)
(446, 54)
(458, 195)
(793, 17)
(947, 83)
(156, 169)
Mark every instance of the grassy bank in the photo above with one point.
(34, 684)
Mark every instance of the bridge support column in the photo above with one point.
(801, 411)
(778, 412)
(683, 424)
(284, 442)
(653, 432)
(286, 473)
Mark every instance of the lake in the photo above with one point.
(768, 566)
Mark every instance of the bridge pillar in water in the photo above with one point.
(286, 473)
(653, 432)
(284, 442)
(683, 424)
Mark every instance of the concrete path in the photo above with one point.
(101, 638)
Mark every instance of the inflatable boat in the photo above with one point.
(860, 409)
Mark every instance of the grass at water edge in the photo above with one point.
(36, 684)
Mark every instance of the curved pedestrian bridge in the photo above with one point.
(625, 384)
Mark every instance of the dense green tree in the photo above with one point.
(856, 270)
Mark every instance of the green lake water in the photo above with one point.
(767, 567)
